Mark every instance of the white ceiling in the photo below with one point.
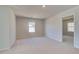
(37, 11)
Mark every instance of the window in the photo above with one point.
(31, 26)
(71, 27)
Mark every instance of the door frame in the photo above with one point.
(68, 17)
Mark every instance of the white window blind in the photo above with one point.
(31, 26)
(71, 26)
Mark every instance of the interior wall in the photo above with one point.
(7, 30)
(4, 27)
(12, 28)
(22, 29)
(54, 25)
(76, 41)
(65, 27)
(53, 28)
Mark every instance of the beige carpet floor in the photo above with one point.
(41, 45)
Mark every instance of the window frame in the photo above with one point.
(31, 26)
(70, 27)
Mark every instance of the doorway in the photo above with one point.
(68, 30)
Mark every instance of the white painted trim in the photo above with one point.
(74, 31)
(4, 49)
(54, 39)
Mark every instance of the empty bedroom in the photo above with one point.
(39, 29)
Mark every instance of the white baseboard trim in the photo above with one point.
(54, 39)
(4, 49)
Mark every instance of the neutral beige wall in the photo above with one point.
(22, 28)
(65, 31)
